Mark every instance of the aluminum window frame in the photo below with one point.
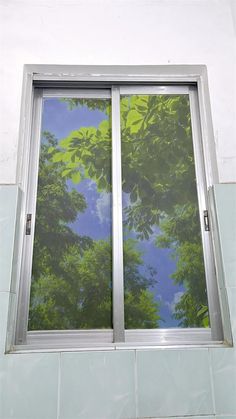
(120, 80)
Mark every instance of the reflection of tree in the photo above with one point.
(180, 232)
(71, 276)
(159, 176)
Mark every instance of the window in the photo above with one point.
(117, 247)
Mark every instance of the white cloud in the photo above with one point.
(91, 185)
(155, 233)
(103, 207)
(171, 305)
(126, 199)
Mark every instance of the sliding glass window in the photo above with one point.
(117, 245)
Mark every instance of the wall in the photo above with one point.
(119, 32)
(118, 384)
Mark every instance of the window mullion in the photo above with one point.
(117, 228)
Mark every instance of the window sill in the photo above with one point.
(100, 340)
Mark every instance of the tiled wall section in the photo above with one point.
(199, 383)
(8, 211)
(223, 361)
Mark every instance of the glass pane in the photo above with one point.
(165, 282)
(72, 267)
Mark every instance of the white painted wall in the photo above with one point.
(120, 32)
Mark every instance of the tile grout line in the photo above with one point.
(212, 381)
(136, 384)
(59, 387)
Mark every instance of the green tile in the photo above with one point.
(232, 309)
(11, 315)
(225, 201)
(186, 417)
(97, 385)
(8, 211)
(225, 417)
(29, 386)
(224, 379)
(4, 303)
(174, 383)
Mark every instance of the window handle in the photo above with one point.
(206, 220)
(28, 224)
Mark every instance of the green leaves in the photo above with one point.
(71, 286)
(76, 177)
(134, 121)
(203, 313)
(87, 153)
(57, 157)
(159, 181)
(66, 172)
(104, 127)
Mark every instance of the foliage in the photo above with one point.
(56, 208)
(197, 313)
(98, 104)
(71, 276)
(141, 311)
(87, 154)
(181, 232)
(157, 156)
(159, 178)
(79, 296)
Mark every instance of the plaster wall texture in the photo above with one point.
(120, 32)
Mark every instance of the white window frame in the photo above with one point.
(121, 80)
